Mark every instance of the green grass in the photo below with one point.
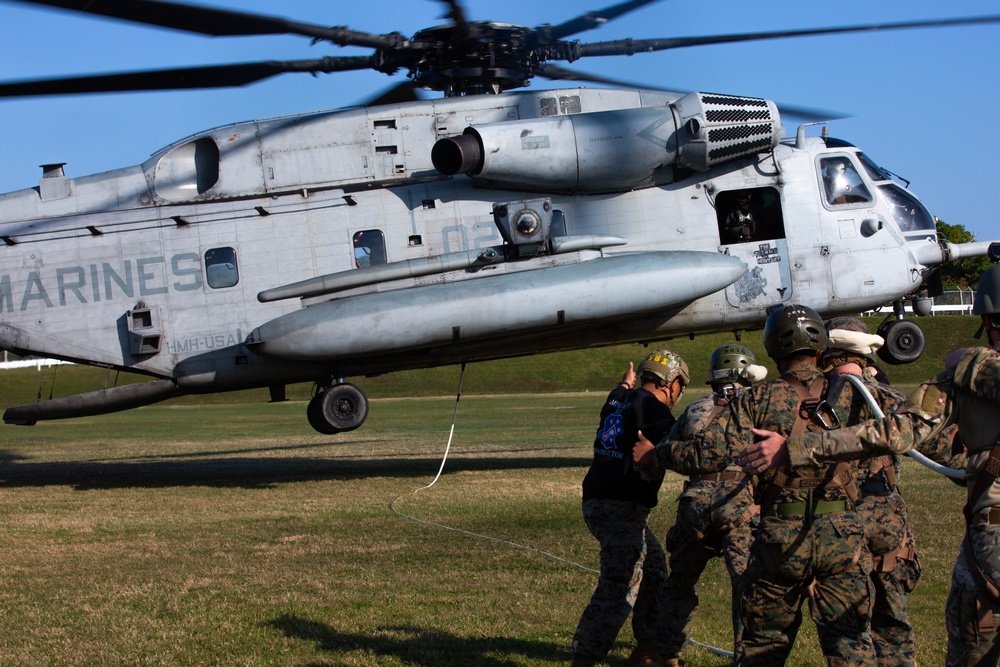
(232, 534)
(222, 530)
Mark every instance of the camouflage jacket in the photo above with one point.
(771, 405)
(972, 394)
(691, 423)
(888, 399)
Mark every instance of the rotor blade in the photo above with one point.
(630, 46)
(396, 94)
(457, 14)
(213, 76)
(556, 73)
(216, 22)
(592, 20)
(809, 114)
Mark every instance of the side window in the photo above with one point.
(749, 215)
(558, 225)
(841, 182)
(369, 248)
(220, 268)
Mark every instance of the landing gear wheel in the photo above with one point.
(340, 408)
(904, 342)
(314, 413)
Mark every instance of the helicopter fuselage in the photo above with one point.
(355, 242)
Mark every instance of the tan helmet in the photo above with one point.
(666, 365)
(730, 363)
(794, 328)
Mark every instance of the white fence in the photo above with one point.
(38, 364)
(951, 302)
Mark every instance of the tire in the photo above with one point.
(314, 413)
(904, 342)
(342, 407)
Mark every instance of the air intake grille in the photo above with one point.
(738, 132)
(736, 115)
(738, 150)
(725, 127)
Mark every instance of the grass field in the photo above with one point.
(232, 534)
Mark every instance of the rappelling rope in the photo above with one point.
(392, 507)
(914, 454)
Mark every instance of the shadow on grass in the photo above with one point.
(251, 473)
(418, 646)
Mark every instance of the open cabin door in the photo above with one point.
(752, 228)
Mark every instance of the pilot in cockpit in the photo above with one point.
(741, 223)
(842, 183)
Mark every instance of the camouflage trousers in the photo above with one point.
(973, 621)
(633, 570)
(705, 510)
(828, 563)
(895, 574)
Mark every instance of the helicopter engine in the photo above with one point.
(612, 150)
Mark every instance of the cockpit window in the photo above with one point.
(875, 172)
(907, 211)
(842, 183)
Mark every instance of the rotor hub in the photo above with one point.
(476, 57)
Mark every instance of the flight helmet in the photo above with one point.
(730, 363)
(794, 328)
(665, 365)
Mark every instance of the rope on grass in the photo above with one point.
(454, 419)
(392, 505)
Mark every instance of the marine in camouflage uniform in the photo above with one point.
(616, 505)
(810, 542)
(714, 512)
(971, 389)
(895, 563)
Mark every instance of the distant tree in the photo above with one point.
(963, 273)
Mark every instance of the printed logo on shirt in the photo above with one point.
(613, 427)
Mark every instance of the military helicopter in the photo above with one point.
(488, 223)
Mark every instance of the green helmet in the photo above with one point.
(729, 363)
(666, 365)
(988, 295)
(794, 328)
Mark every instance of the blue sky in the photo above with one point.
(923, 103)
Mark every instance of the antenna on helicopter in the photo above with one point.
(800, 134)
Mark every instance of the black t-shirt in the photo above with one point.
(612, 474)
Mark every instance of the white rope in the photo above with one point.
(392, 507)
(914, 454)
(454, 418)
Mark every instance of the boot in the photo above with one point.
(646, 655)
(582, 661)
